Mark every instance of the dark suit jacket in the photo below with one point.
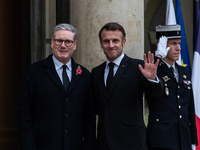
(172, 117)
(49, 118)
(121, 124)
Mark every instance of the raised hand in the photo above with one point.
(150, 69)
(162, 48)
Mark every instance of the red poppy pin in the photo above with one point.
(78, 70)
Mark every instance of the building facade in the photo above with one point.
(26, 29)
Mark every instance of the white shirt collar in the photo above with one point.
(169, 65)
(58, 64)
(116, 61)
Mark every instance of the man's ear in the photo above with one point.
(101, 44)
(51, 42)
(75, 44)
(124, 42)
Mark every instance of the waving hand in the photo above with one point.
(150, 69)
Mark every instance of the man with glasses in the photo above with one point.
(55, 112)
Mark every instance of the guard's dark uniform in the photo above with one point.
(172, 116)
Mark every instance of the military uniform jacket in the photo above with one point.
(120, 122)
(49, 117)
(172, 116)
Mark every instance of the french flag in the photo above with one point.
(196, 68)
(171, 19)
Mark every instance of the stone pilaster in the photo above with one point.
(90, 15)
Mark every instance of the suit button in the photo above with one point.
(66, 99)
(178, 96)
(66, 115)
(188, 88)
(157, 120)
(180, 116)
(178, 87)
(66, 131)
(179, 106)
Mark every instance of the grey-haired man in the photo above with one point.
(55, 112)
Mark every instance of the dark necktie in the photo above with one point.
(110, 75)
(172, 69)
(65, 78)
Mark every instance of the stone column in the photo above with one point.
(37, 26)
(88, 16)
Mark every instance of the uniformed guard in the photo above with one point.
(171, 124)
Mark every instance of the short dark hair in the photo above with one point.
(113, 26)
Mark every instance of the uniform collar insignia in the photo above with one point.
(160, 63)
(165, 78)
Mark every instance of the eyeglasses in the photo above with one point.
(59, 42)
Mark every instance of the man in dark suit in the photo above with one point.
(55, 112)
(171, 123)
(119, 99)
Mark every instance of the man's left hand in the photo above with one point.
(150, 69)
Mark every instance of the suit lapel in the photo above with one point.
(181, 73)
(75, 76)
(100, 81)
(49, 68)
(51, 72)
(163, 67)
(122, 67)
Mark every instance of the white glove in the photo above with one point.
(193, 147)
(162, 48)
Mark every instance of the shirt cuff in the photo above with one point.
(154, 81)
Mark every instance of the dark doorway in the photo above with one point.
(23, 40)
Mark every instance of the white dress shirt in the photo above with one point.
(116, 66)
(176, 74)
(59, 68)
